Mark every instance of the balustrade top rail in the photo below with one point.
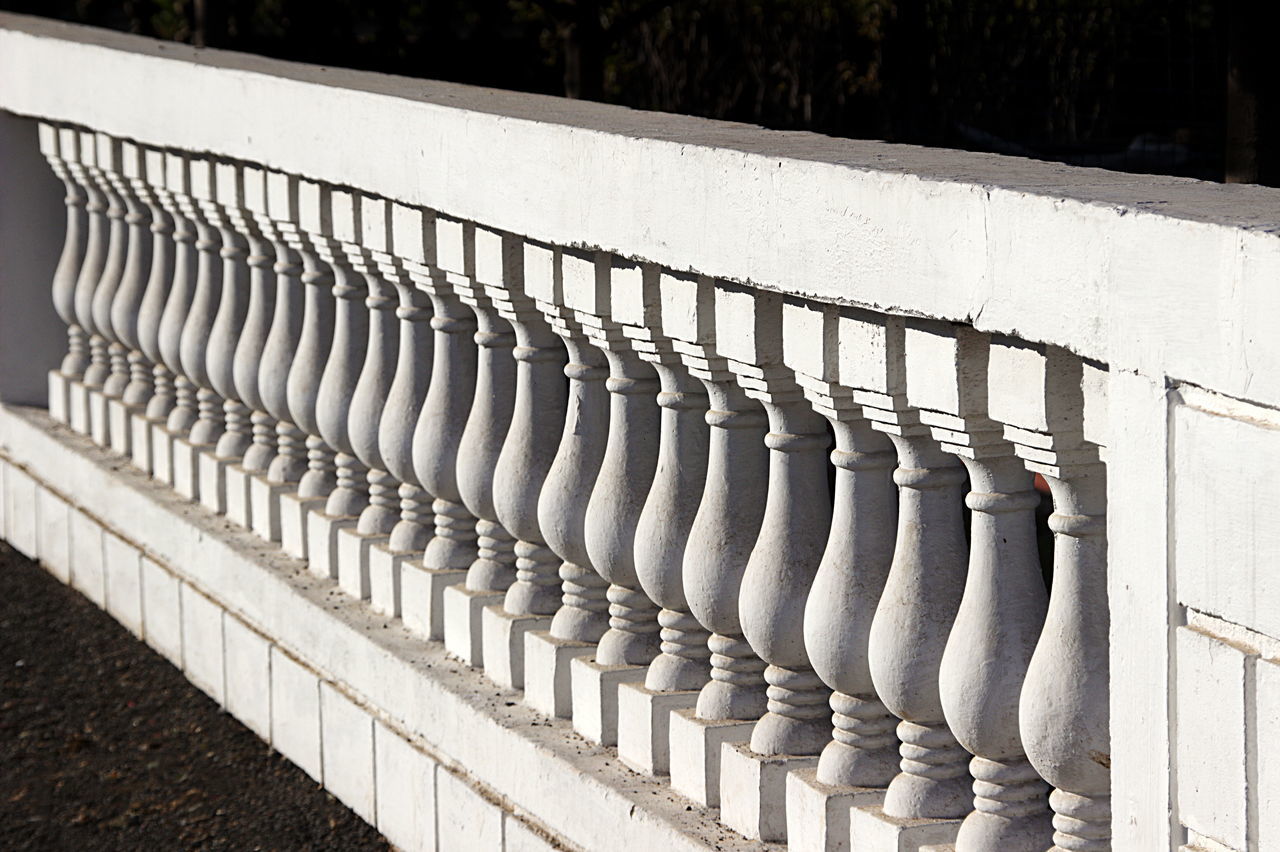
(1162, 276)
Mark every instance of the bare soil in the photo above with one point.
(105, 745)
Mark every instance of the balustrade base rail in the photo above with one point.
(425, 748)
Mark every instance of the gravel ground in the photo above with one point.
(105, 745)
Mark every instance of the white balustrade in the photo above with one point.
(612, 485)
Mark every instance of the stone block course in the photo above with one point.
(162, 611)
(20, 515)
(54, 515)
(202, 642)
(87, 574)
(247, 663)
(465, 820)
(405, 779)
(346, 741)
(295, 713)
(123, 578)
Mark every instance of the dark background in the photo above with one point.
(1178, 87)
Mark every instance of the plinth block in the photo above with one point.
(547, 687)
(818, 814)
(871, 830)
(422, 597)
(753, 791)
(239, 509)
(292, 514)
(322, 542)
(78, 407)
(353, 561)
(99, 424)
(695, 753)
(644, 726)
(595, 697)
(119, 427)
(384, 579)
(463, 634)
(58, 397)
(503, 643)
(140, 442)
(212, 487)
(186, 468)
(161, 453)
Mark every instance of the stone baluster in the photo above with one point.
(259, 444)
(590, 282)
(404, 403)
(128, 365)
(719, 544)
(682, 667)
(323, 224)
(145, 171)
(370, 229)
(103, 378)
(1045, 395)
(921, 595)
(87, 371)
(59, 146)
(436, 437)
(293, 360)
(489, 256)
(173, 400)
(860, 759)
(583, 616)
(780, 571)
(527, 454)
(200, 205)
(226, 211)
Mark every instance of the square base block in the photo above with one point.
(595, 697)
(140, 442)
(871, 830)
(78, 407)
(186, 468)
(266, 509)
(99, 425)
(463, 609)
(322, 542)
(695, 754)
(353, 561)
(293, 514)
(753, 791)
(239, 509)
(384, 579)
(213, 481)
(422, 597)
(547, 687)
(58, 397)
(161, 453)
(818, 814)
(644, 726)
(120, 427)
(502, 635)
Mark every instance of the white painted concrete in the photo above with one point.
(346, 736)
(247, 661)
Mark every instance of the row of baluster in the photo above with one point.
(628, 457)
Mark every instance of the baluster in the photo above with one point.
(173, 400)
(126, 357)
(583, 616)
(682, 667)
(59, 145)
(404, 405)
(147, 181)
(919, 603)
(860, 759)
(1039, 393)
(293, 359)
(255, 439)
(491, 574)
(107, 374)
(779, 572)
(452, 547)
(527, 453)
(200, 206)
(338, 384)
(227, 214)
(590, 282)
(91, 272)
(371, 230)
